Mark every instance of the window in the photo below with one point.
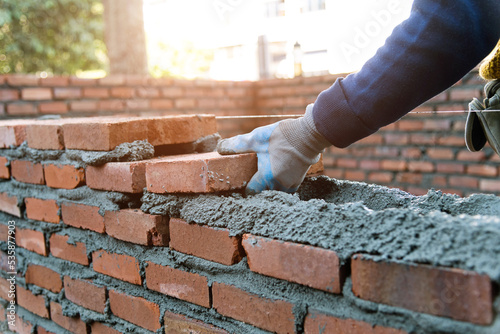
(313, 5)
(275, 8)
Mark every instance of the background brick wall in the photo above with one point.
(419, 152)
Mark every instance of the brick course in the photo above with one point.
(311, 266)
(272, 315)
(136, 310)
(453, 293)
(205, 242)
(176, 283)
(135, 226)
(123, 267)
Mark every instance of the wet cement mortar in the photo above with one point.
(352, 217)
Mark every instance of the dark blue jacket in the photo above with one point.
(436, 46)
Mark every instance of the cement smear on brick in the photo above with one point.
(135, 151)
(351, 217)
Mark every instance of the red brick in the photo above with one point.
(111, 105)
(104, 134)
(41, 330)
(21, 326)
(411, 153)
(312, 266)
(172, 92)
(347, 163)
(54, 81)
(31, 240)
(5, 289)
(200, 173)
(112, 80)
(46, 210)
(317, 322)
(93, 92)
(176, 283)
(27, 171)
(354, 175)
(72, 324)
(85, 294)
(471, 156)
(67, 93)
(176, 323)
(269, 314)
(122, 92)
(83, 106)
(180, 129)
(482, 170)
(9, 94)
(380, 177)
(43, 277)
(148, 92)
(394, 165)
(13, 132)
(369, 164)
(421, 166)
(437, 124)
(36, 94)
(452, 141)
(45, 135)
(440, 153)
(53, 108)
(450, 168)
(137, 104)
(489, 185)
(82, 216)
(457, 94)
(100, 328)
(162, 104)
(410, 125)
(10, 204)
(128, 177)
(454, 293)
(4, 235)
(123, 267)
(33, 303)
(135, 226)
(136, 310)
(463, 181)
(21, 109)
(205, 242)
(61, 248)
(75, 81)
(396, 138)
(63, 176)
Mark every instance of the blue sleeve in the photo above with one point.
(438, 44)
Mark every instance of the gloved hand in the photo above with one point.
(285, 151)
(483, 125)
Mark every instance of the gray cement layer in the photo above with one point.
(352, 217)
(135, 151)
(304, 298)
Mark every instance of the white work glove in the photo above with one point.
(285, 151)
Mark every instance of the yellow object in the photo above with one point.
(490, 69)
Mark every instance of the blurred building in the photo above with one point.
(253, 40)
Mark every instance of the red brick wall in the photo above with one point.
(88, 260)
(419, 152)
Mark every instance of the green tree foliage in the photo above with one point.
(53, 36)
